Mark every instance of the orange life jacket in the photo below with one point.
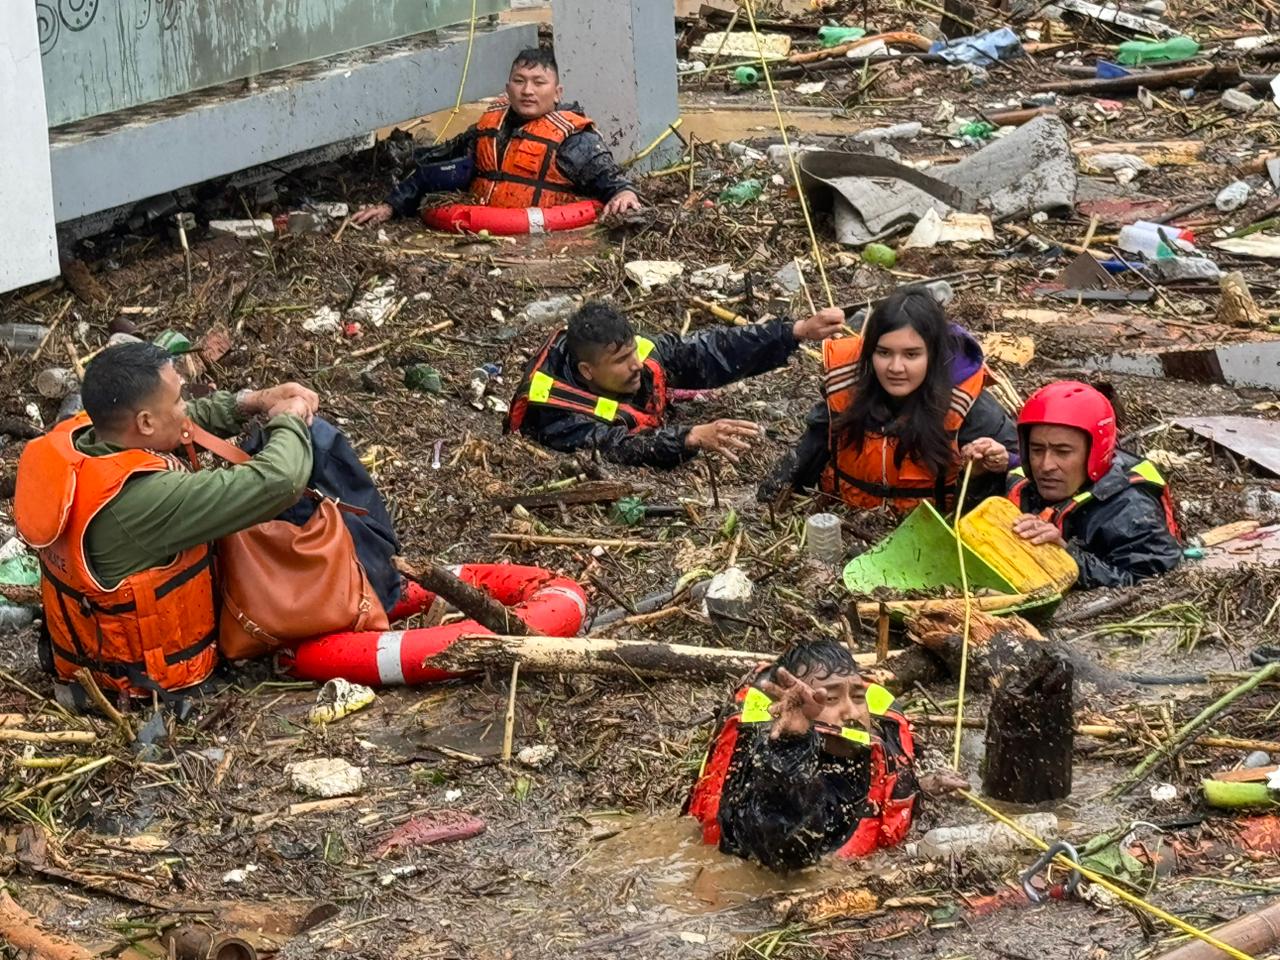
(540, 386)
(1143, 473)
(870, 477)
(893, 820)
(524, 173)
(157, 629)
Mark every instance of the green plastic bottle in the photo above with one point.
(743, 192)
(746, 76)
(833, 36)
(977, 130)
(173, 341)
(1135, 53)
(878, 255)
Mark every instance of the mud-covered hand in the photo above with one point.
(942, 783)
(726, 437)
(284, 398)
(988, 455)
(823, 324)
(1037, 531)
(378, 213)
(621, 203)
(795, 704)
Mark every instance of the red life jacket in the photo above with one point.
(154, 630)
(541, 387)
(870, 477)
(1142, 473)
(525, 174)
(887, 828)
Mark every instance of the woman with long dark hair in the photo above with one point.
(905, 408)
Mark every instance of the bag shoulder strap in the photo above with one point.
(196, 435)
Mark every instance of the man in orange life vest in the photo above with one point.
(596, 385)
(528, 150)
(1109, 509)
(812, 760)
(123, 529)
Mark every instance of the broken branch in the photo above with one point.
(475, 603)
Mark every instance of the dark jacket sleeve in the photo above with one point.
(408, 193)
(776, 807)
(566, 431)
(584, 160)
(988, 419)
(802, 466)
(722, 355)
(1126, 541)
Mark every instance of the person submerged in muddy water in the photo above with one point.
(811, 760)
(1109, 509)
(528, 150)
(596, 385)
(905, 408)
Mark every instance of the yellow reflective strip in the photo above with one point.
(878, 699)
(857, 736)
(606, 409)
(540, 385)
(1147, 471)
(1083, 497)
(644, 347)
(1017, 472)
(755, 706)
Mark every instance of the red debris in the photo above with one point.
(443, 826)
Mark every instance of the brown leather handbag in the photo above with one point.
(282, 583)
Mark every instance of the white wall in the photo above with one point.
(28, 246)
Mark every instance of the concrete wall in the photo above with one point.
(619, 60)
(28, 247)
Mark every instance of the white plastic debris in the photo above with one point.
(648, 274)
(719, 277)
(1232, 197)
(1123, 166)
(326, 777)
(1237, 101)
(899, 131)
(549, 311)
(240, 875)
(324, 320)
(809, 89)
(537, 755)
(242, 229)
(337, 698)
(452, 796)
(931, 230)
(376, 303)
(1164, 792)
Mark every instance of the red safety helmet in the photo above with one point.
(1069, 403)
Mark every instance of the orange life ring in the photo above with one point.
(552, 605)
(509, 221)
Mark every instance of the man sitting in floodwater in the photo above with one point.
(596, 385)
(528, 150)
(1109, 509)
(812, 760)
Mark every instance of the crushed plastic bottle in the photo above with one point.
(1135, 53)
(1149, 239)
(832, 35)
(744, 192)
(878, 255)
(977, 130)
(899, 131)
(22, 337)
(746, 76)
(944, 842)
(1172, 269)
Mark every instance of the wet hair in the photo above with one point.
(595, 327)
(825, 656)
(120, 379)
(918, 421)
(536, 57)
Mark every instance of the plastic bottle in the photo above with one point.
(1171, 269)
(173, 341)
(823, 538)
(977, 130)
(833, 36)
(743, 192)
(22, 337)
(1134, 53)
(1148, 239)
(878, 255)
(14, 618)
(944, 842)
(56, 382)
(746, 76)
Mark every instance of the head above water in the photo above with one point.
(133, 395)
(602, 347)
(533, 86)
(828, 666)
(1068, 435)
(903, 377)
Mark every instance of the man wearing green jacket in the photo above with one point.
(123, 526)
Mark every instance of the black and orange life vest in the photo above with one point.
(893, 819)
(156, 629)
(1143, 473)
(870, 477)
(524, 173)
(540, 387)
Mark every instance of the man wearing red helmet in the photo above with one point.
(1109, 509)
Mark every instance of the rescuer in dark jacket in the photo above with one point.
(561, 156)
(1109, 509)
(596, 385)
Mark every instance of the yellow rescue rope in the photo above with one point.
(466, 66)
(968, 615)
